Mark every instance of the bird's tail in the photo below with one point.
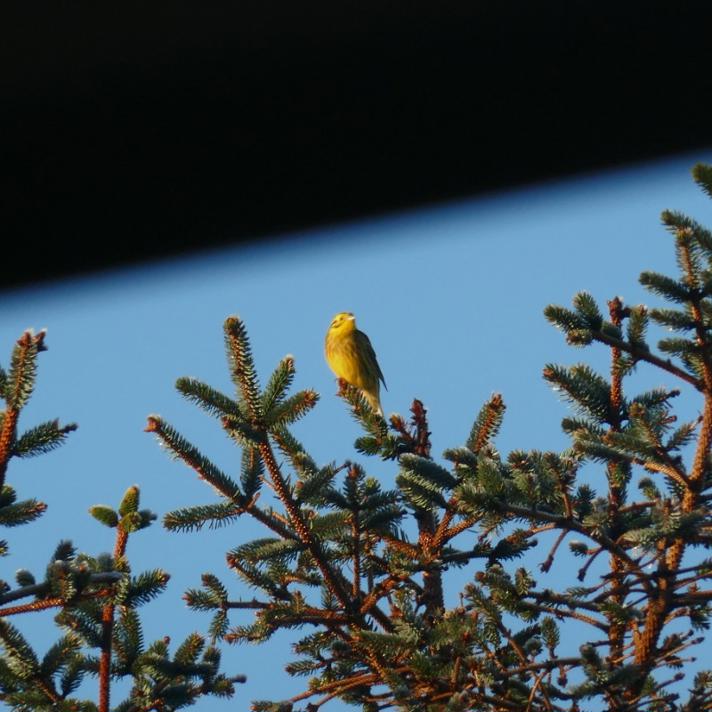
(375, 402)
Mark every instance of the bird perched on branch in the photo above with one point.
(350, 356)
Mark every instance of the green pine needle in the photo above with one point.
(42, 439)
(13, 515)
(242, 367)
(104, 514)
(292, 409)
(145, 587)
(130, 501)
(587, 310)
(181, 449)
(585, 389)
(487, 424)
(666, 287)
(278, 385)
(196, 517)
(428, 470)
(20, 380)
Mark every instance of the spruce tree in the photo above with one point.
(362, 569)
(97, 598)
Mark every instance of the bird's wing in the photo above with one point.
(370, 354)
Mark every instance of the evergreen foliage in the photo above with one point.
(97, 598)
(363, 568)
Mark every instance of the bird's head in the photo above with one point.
(343, 322)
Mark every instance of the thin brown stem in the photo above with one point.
(643, 355)
(532, 693)
(546, 665)
(38, 589)
(254, 604)
(155, 425)
(55, 602)
(439, 537)
(40, 605)
(546, 565)
(333, 582)
(564, 613)
(572, 525)
(107, 629)
(581, 575)
(107, 624)
(48, 690)
(615, 485)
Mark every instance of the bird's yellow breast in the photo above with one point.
(351, 357)
(343, 359)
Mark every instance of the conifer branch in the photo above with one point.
(548, 596)
(616, 487)
(381, 589)
(403, 547)
(444, 532)
(303, 532)
(456, 529)
(667, 469)
(107, 628)
(49, 691)
(573, 525)
(564, 613)
(32, 607)
(55, 602)
(79, 585)
(354, 681)
(8, 433)
(433, 594)
(642, 354)
(382, 623)
(190, 457)
(39, 589)
(253, 604)
(17, 391)
(658, 606)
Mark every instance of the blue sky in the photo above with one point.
(451, 297)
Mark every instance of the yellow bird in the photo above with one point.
(350, 356)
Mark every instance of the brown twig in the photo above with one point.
(615, 488)
(155, 425)
(565, 613)
(40, 605)
(38, 589)
(581, 575)
(572, 525)
(546, 564)
(641, 354)
(48, 690)
(333, 582)
(107, 628)
(55, 602)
